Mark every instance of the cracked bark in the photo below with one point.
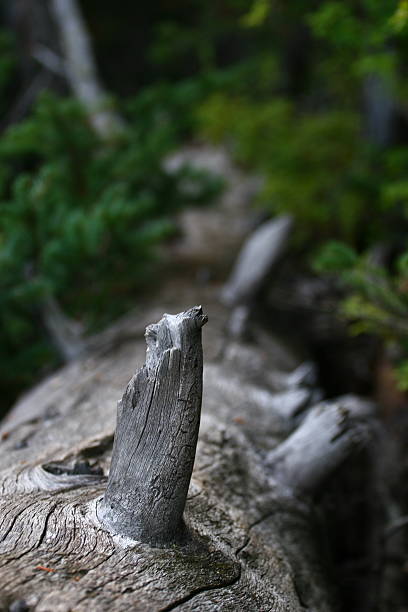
(253, 542)
(156, 434)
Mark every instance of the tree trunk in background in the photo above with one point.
(81, 69)
(380, 109)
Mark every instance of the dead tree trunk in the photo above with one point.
(81, 69)
(262, 458)
(156, 435)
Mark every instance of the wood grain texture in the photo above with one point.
(254, 542)
(156, 435)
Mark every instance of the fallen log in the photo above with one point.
(251, 509)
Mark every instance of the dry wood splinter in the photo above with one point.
(156, 435)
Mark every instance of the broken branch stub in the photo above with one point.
(325, 438)
(156, 435)
(259, 254)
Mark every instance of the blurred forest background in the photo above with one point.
(310, 96)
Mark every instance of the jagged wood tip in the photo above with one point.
(156, 435)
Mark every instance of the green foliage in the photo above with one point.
(328, 188)
(377, 298)
(195, 37)
(80, 220)
(286, 85)
(311, 146)
(399, 20)
(257, 14)
(335, 257)
(356, 43)
(171, 106)
(402, 375)
(304, 126)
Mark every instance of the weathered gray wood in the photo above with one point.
(327, 436)
(156, 434)
(259, 253)
(253, 540)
